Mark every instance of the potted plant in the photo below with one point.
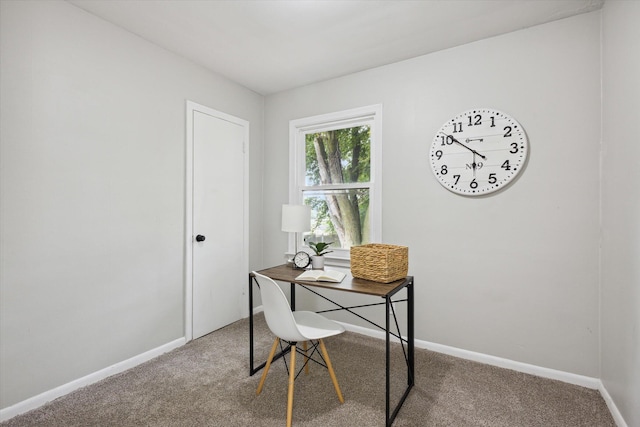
(320, 248)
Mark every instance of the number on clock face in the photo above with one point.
(478, 151)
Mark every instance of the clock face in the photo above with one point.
(478, 152)
(301, 259)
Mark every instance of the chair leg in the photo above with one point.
(292, 378)
(331, 373)
(268, 365)
(306, 358)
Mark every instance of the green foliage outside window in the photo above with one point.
(335, 158)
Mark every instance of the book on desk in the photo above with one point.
(322, 276)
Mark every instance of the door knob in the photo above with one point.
(200, 238)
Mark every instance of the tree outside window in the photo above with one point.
(333, 158)
(335, 170)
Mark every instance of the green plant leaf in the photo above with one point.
(320, 247)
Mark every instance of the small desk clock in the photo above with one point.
(478, 152)
(301, 260)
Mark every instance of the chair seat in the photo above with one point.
(314, 326)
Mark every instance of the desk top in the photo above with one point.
(285, 273)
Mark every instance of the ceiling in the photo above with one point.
(270, 46)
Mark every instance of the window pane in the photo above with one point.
(338, 156)
(339, 216)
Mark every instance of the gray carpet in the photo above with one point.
(206, 383)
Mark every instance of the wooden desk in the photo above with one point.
(387, 291)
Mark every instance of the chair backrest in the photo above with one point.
(277, 311)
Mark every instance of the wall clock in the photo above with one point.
(478, 152)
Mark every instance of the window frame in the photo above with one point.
(369, 115)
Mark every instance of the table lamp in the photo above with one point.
(296, 219)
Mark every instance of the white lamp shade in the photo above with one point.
(296, 218)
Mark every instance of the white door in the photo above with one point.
(218, 220)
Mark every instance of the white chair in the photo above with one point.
(294, 327)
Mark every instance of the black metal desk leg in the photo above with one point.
(409, 355)
(410, 333)
(387, 305)
(250, 325)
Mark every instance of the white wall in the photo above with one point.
(621, 207)
(514, 274)
(92, 192)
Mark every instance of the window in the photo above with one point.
(335, 169)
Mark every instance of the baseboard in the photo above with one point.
(584, 381)
(581, 380)
(48, 396)
(615, 413)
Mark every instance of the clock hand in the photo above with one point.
(473, 165)
(468, 148)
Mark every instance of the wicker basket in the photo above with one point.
(379, 262)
